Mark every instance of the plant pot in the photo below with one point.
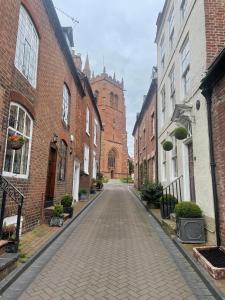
(56, 221)
(16, 145)
(68, 210)
(166, 209)
(11, 247)
(191, 230)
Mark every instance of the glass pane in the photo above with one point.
(17, 161)
(13, 116)
(8, 159)
(20, 126)
(28, 123)
(25, 157)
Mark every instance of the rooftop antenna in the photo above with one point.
(75, 21)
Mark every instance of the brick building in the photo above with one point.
(111, 105)
(45, 99)
(145, 139)
(183, 59)
(213, 87)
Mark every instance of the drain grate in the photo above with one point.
(216, 256)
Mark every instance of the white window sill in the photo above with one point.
(12, 175)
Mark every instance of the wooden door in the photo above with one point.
(191, 172)
(50, 185)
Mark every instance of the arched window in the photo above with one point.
(16, 162)
(27, 47)
(116, 102)
(65, 105)
(62, 161)
(112, 159)
(111, 100)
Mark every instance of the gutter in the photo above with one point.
(207, 93)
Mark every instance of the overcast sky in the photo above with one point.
(121, 33)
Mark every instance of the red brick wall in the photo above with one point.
(114, 123)
(45, 102)
(218, 120)
(215, 28)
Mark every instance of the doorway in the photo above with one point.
(76, 181)
(112, 174)
(51, 175)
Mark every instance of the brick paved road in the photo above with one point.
(116, 251)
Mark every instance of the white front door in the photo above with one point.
(76, 181)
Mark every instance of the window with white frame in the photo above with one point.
(183, 8)
(94, 175)
(95, 132)
(163, 105)
(16, 162)
(185, 66)
(162, 52)
(172, 89)
(27, 45)
(174, 166)
(86, 159)
(171, 28)
(87, 121)
(164, 164)
(65, 105)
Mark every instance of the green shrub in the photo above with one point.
(67, 200)
(180, 133)
(151, 192)
(126, 180)
(105, 180)
(83, 192)
(58, 211)
(167, 146)
(188, 210)
(168, 198)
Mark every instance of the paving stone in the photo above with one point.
(117, 251)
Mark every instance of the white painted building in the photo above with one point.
(181, 50)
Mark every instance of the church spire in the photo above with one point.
(104, 70)
(87, 69)
(122, 83)
(114, 76)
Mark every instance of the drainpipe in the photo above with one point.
(156, 138)
(207, 93)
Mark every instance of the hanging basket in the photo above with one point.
(180, 133)
(16, 143)
(167, 146)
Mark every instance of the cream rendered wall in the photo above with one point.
(194, 25)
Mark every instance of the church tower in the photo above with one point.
(111, 104)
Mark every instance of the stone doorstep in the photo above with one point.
(216, 273)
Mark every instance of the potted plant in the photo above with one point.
(16, 142)
(190, 223)
(180, 133)
(93, 186)
(99, 181)
(67, 202)
(57, 218)
(151, 193)
(167, 146)
(167, 205)
(82, 194)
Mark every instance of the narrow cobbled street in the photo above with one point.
(114, 251)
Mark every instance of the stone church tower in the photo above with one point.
(111, 105)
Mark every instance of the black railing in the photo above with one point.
(8, 190)
(172, 194)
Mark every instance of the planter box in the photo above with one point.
(215, 272)
(191, 230)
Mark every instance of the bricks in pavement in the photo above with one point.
(115, 253)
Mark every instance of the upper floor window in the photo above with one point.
(27, 47)
(183, 8)
(87, 121)
(185, 66)
(116, 102)
(171, 28)
(16, 162)
(172, 89)
(162, 51)
(65, 105)
(111, 99)
(163, 105)
(86, 159)
(62, 161)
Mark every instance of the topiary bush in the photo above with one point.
(67, 200)
(151, 192)
(180, 133)
(188, 210)
(167, 146)
(168, 198)
(58, 211)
